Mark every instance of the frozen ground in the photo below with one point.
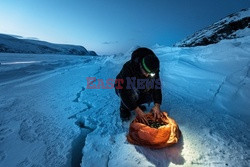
(49, 118)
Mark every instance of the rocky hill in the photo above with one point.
(15, 44)
(233, 26)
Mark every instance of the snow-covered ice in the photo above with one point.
(49, 118)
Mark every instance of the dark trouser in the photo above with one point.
(139, 97)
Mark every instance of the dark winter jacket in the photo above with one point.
(132, 69)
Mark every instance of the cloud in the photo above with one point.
(33, 38)
(15, 36)
(110, 42)
(21, 37)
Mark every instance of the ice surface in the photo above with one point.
(46, 109)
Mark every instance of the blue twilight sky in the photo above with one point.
(112, 26)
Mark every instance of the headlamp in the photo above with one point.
(152, 74)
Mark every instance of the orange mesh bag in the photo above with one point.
(162, 133)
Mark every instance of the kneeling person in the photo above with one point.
(144, 65)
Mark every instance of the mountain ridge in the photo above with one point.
(229, 27)
(17, 44)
